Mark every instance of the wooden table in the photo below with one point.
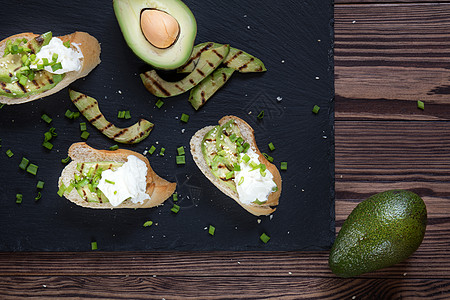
(388, 56)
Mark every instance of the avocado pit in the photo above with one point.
(159, 28)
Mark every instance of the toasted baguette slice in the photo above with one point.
(158, 188)
(248, 134)
(88, 45)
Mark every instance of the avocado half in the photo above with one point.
(129, 13)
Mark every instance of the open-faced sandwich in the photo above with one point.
(228, 156)
(33, 66)
(111, 179)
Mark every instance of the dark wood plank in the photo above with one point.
(236, 287)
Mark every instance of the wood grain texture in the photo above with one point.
(390, 57)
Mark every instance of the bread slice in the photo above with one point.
(158, 188)
(248, 134)
(88, 45)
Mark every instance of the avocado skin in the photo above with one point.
(381, 231)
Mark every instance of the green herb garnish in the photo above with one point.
(148, 224)
(211, 230)
(184, 118)
(24, 163)
(315, 109)
(175, 208)
(264, 238)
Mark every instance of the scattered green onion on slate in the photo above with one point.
(121, 114)
(271, 146)
(152, 149)
(32, 169)
(65, 160)
(159, 103)
(264, 238)
(162, 151)
(39, 196)
(268, 157)
(24, 163)
(9, 153)
(114, 147)
(47, 145)
(40, 184)
(148, 224)
(1, 105)
(83, 126)
(181, 159)
(184, 118)
(94, 246)
(260, 115)
(85, 135)
(180, 150)
(175, 208)
(47, 136)
(315, 109)
(211, 230)
(420, 105)
(175, 196)
(52, 131)
(19, 198)
(67, 44)
(283, 165)
(127, 115)
(46, 119)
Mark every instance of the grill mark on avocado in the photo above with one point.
(200, 72)
(158, 85)
(245, 65)
(88, 107)
(78, 98)
(217, 53)
(202, 95)
(4, 88)
(201, 50)
(179, 87)
(192, 81)
(121, 132)
(109, 125)
(36, 84)
(21, 87)
(95, 118)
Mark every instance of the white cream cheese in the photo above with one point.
(251, 184)
(128, 181)
(69, 58)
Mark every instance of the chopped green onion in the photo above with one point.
(127, 115)
(19, 198)
(57, 77)
(55, 57)
(241, 181)
(24, 163)
(85, 135)
(39, 66)
(175, 208)
(259, 202)
(162, 151)
(47, 145)
(240, 140)
(114, 147)
(31, 76)
(420, 105)
(9, 153)
(184, 118)
(52, 131)
(61, 190)
(94, 246)
(40, 184)
(181, 159)
(83, 126)
(38, 196)
(260, 115)
(236, 167)
(211, 230)
(1, 105)
(69, 114)
(275, 189)
(262, 167)
(271, 146)
(264, 238)
(46, 118)
(152, 149)
(23, 80)
(315, 109)
(109, 181)
(159, 103)
(69, 188)
(229, 175)
(233, 137)
(254, 165)
(148, 224)
(45, 61)
(180, 150)
(67, 44)
(283, 165)
(32, 169)
(47, 136)
(222, 153)
(76, 115)
(246, 158)
(175, 196)
(121, 114)
(246, 146)
(56, 67)
(65, 160)
(268, 157)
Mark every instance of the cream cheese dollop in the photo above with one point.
(128, 181)
(69, 58)
(251, 185)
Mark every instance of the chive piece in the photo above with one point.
(152, 149)
(83, 126)
(181, 150)
(61, 190)
(271, 146)
(39, 67)
(1, 105)
(46, 118)
(65, 160)
(47, 136)
(23, 80)
(45, 61)
(259, 202)
(233, 137)
(121, 114)
(283, 165)
(260, 115)
(184, 118)
(264, 238)
(236, 167)
(52, 131)
(246, 146)
(181, 159)
(315, 109)
(229, 175)
(47, 145)
(19, 198)
(127, 115)
(148, 224)
(159, 103)
(9, 153)
(32, 169)
(211, 230)
(246, 158)
(85, 135)
(241, 181)
(109, 181)
(175, 208)
(268, 157)
(76, 115)
(69, 114)
(420, 105)
(55, 57)
(57, 77)
(175, 196)
(40, 184)
(69, 188)
(38, 196)
(94, 246)
(56, 67)
(67, 44)
(114, 147)
(162, 151)
(24, 163)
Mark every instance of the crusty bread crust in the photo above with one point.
(248, 134)
(158, 188)
(88, 45)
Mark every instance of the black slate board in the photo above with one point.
(295, 41)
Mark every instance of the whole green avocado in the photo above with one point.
(381, 231)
